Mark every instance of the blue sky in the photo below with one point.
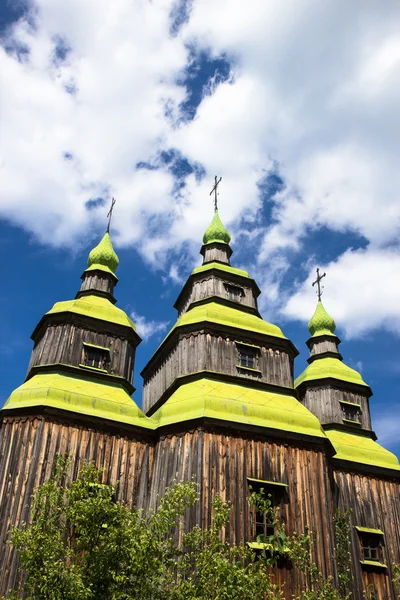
(295, 106)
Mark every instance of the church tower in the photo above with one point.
(366, 475)
(76, 402)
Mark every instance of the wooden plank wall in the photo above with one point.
(205, 351)
(375, 503)
(28, 449)
(98, 281)
(324, 403)
(214, 286)
(320, 346)
(221, 463)
(64, 344)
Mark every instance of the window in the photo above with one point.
(371, 544)
(247, 358)
(275, 492)
(350, 411)
(234, 292)
(96, 357)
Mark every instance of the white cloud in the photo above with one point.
(314, 88)
(362, 292)
(147, 328)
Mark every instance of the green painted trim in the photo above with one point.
(83, 394)
(96, 307)
(97, 347)
(235, 403)
(220, 267)
(98, 267)
(329, 367)
(267, 482)
(214, 312)
(265, 546)
(373, 563)
(248, 345)
(249, 369)
(368, 530)
(350, 403)
(93, 368)
(356, 447)
(352, 422)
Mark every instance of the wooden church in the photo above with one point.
(220, 404)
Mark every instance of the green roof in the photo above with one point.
(236, 403)
(321, 323)
(80, 394)
(359, 448)
(329, 367)
(96, 307)
(216, 232)
(220, 267)
(369, 530)
(213, 312)
(103, 256)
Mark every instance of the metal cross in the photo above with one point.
(109, 214)
(217, 181)
(318, 282)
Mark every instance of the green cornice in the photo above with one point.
(220, 267)
(330, 368)
(98, 267)
(216, 232)
(96, 307)
(214, 312)
(104, 255)
(86, 395)
(321, 323)
(359, 448)
(237, 404)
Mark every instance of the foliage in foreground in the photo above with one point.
(83, 545)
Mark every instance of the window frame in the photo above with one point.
(371, 547)
(351, 412)
(234, 292)
(277, 491)
(103, 364)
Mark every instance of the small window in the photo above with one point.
(371, 544)
(351, 412)
(247, 358)
(234, 292)
(275, 492)
(96, 357)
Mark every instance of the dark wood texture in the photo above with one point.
(324, 403)
(63, 343)
(98, 280)
(375, 503)
(201, 351)
(28, 449)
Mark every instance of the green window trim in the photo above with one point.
(97, 347)
(265, 546)
(373, 563)
(278, 483)
(369, 530)
(350, 403)
(351, 421)
(255, 371)
(253, 346)
(96, 369)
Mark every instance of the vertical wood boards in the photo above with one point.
(97, 281)
(324, 403)
(200, 351)
(28, 448)
(375, 503)
(63, 343)
(321, 346)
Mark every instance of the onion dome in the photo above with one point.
(103, 256)
(321, 323)
(216, 232)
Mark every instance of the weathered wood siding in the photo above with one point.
(63, 343)
(28, 449)
(201, 351)
(216, 253)
(321, 346)
(97, 281)
(375, 503)
(221, 463)
(216, 286)
(324, 403)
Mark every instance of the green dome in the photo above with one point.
(103, 255)
(216, 232)
(321, 323)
